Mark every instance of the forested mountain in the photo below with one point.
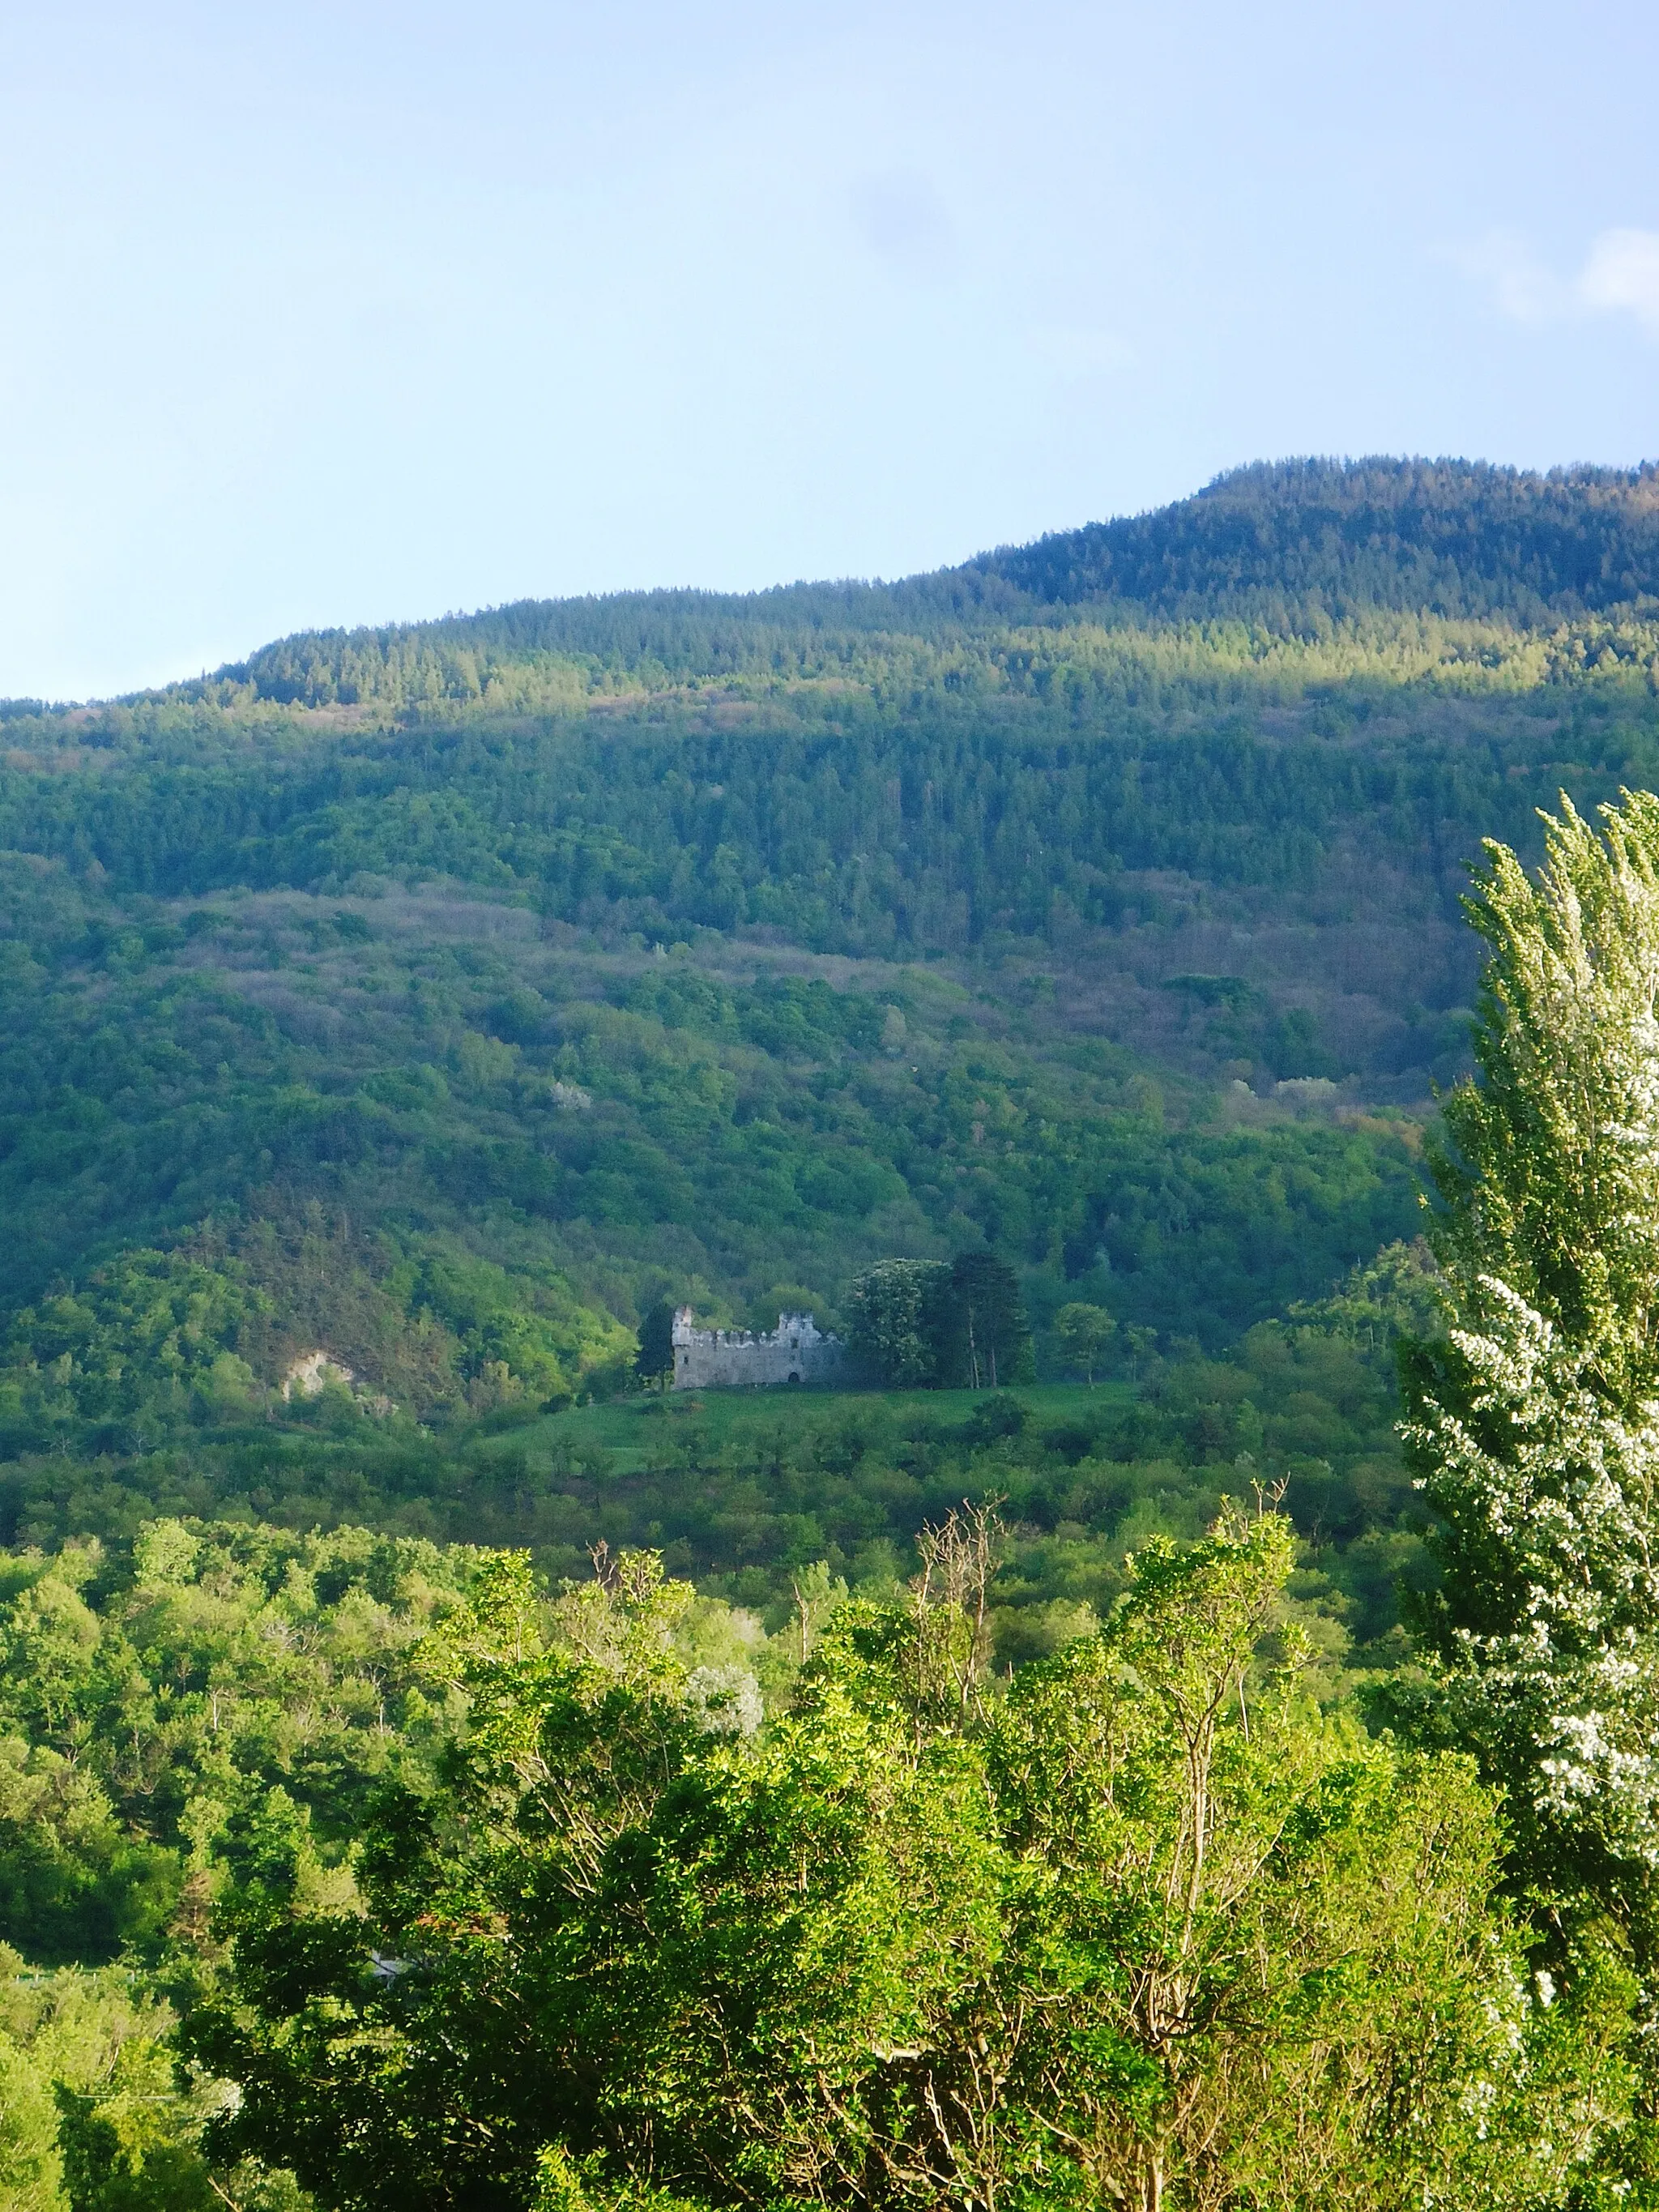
(439, 996)
(1292, 549)
(1301, 541)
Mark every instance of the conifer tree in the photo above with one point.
(983, 1338)
(654, 1360)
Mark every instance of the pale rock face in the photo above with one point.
(311, 1373)
(797, 1351)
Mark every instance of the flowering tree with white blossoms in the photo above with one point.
(1534, 1425)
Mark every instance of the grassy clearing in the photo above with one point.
(641, 1431)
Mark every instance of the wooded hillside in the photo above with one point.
(440, 996)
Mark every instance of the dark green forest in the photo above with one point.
(439, 999)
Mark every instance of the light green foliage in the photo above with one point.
(91, 2116)
(1148, 1928)
(152, 1347)
(1398, 1294)
(144, 1345)
(1262, 1947)
(218, 1719)
(1083, 1332)
(563, 2185)
(520, 1340)
(30, 2167)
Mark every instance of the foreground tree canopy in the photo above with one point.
(1145, 1927)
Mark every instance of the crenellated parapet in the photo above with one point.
(797, 1351)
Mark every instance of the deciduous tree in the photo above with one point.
(1533, 1423)
(1085, 1331)
(1150, 1930)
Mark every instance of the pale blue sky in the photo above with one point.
(339, 313)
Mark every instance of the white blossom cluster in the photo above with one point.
(726, 1700)
(1563, 1490)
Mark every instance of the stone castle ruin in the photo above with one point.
(797, 1351)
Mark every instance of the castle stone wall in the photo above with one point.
(797, 1351)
